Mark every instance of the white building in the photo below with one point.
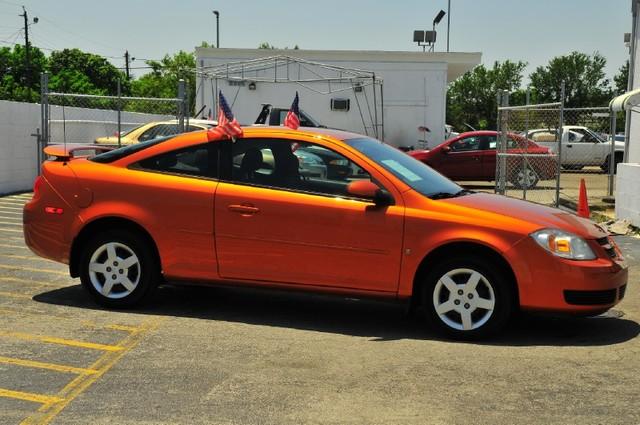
(628, 175)
(412, 94)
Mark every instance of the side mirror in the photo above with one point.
(446, 149)
(369, 190)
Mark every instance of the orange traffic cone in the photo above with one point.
(583, 203)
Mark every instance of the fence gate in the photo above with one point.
(82, 119)
(529, 170)
(579, 148)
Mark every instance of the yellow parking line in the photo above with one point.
(2, 207)
(3, 245)
(18, 224)
(28, 257)
(28, 281)
(18, 220)
(123, 328)
(15, 295)
(11, 230)
(61, 341)
(47, 366)
(29, 269)
(48, 411)
(23, 311)
(37, 398)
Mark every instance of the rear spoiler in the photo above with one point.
(66, 152)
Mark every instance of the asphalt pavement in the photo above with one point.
(244, 356)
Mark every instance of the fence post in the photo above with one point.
(182, 92)
(525, 157)
(612, 153)
(504, 116)
(559, 135)
(43, 140)
(119, 107)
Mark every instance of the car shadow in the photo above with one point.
(378, 320)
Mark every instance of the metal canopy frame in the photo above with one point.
(278, 69)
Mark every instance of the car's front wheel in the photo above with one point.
(467, 299)
(118, 269)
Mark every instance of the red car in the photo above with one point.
(471, 156)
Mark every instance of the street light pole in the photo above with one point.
(448, 22)
(215, 12)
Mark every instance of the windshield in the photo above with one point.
(116, 154)
(412, 172)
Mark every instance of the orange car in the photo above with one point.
(190, 209)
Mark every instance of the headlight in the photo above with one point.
(564, 244)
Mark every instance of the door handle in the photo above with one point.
(569, 146)
(244, 209)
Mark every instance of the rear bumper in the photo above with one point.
(549, 283)
(44, 233)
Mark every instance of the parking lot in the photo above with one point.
(244, 356)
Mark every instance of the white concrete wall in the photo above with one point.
(414, 90)
(628, 175)
(18, 149)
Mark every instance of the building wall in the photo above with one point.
(414, 92)
(628, 175)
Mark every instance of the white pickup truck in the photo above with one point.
(580, 147)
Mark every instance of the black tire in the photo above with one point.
(616, 160)
(143, 276)
(450, 323)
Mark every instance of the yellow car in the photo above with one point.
(154, 130)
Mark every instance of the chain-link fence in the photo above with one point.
(545, 151)
(526, 169)
(109, 120)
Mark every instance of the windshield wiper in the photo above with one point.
(446, 195)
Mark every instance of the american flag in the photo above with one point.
(226, 122)
(292, 120)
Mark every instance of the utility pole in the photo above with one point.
(126, 63)
(448, 22)
(27, 58)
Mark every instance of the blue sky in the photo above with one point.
(533, 31)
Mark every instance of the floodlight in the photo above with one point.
(439, 17)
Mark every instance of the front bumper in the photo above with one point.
(550, 283)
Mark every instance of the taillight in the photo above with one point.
(37, 183)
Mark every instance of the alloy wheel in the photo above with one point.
(464, 299)
(114, 270)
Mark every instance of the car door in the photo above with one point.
(463, 161)
(274, 225)
(179, 187)
(488, 151)
(584, 148)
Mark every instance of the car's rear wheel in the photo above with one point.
(118, 269)
(467, 299)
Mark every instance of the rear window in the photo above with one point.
(125, 151)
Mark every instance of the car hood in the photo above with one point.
(538, 216)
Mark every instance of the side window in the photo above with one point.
(492, 142)
(466, 144)
(149, 134)
(199, 161)
(290, 165)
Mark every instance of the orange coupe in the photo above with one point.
(198, 207)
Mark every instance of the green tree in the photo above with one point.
(75, 71)
(163, 79)
(471, 99)
(266, 45)
(13, 73)
(621, 78)
(584, 77)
